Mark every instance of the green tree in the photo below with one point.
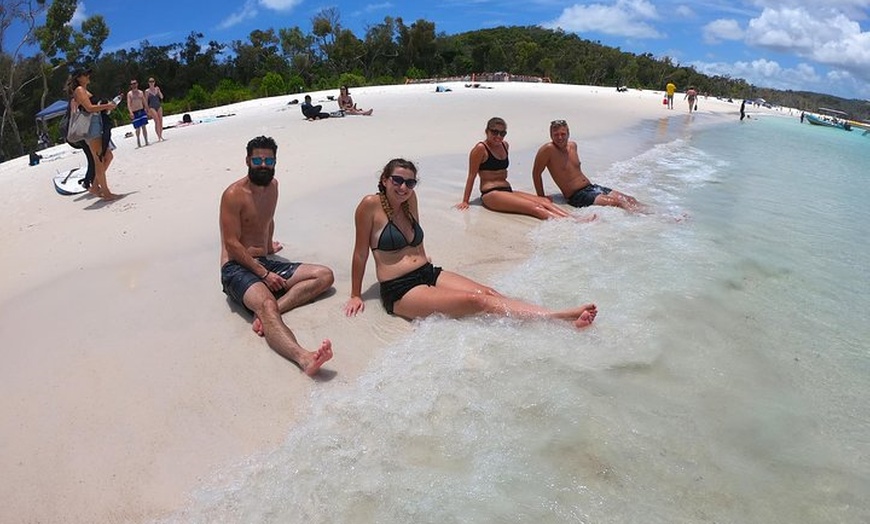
(296, 47)
(381, 49)
(258, 57)
(272, 84)
(197, 98)
(326, 25)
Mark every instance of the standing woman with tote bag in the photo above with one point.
(80, 100)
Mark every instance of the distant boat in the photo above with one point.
(829, 118)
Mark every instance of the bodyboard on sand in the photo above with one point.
(70, 182)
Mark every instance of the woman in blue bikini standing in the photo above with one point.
(489, 159)
(387, 223)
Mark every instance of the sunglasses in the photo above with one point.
(496, 132)
(410, 183)
(259, 161)
(558, 123)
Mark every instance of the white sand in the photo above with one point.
(128, 378)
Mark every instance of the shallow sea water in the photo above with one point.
(725, 380)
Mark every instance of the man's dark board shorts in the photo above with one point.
(236, 278)
(586, 197)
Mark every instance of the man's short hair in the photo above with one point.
(557, 124)
(262, 142)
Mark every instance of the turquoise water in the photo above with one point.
(726, 379)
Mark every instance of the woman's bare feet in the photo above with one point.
(581, 316)
(315, 359)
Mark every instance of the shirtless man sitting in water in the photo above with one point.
(561, 159)
(265, 285)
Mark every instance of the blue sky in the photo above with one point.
(813, 45)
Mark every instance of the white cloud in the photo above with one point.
(823, 35)
(623, 18)
(852, 8)
(762, 72)
(280, 5)
(248, 11)
(802, 77)
(377, 7)
(722, 29)
(79, 15)
(684, 11)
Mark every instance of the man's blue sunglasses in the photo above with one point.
(259, 161)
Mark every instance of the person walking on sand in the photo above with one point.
(99, 148)
(136, 105)
(562, 159)
(154, 98)
(489, 159)
(670, 89)
(250, 273)
(692, 96)
(388, 224)
(346, 103)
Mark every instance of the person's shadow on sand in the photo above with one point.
(101, 203)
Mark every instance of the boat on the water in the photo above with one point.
(829, 118)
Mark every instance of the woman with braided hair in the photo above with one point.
(387, 223)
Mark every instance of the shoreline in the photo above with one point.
(148, 386)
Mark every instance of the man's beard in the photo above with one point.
(261, 176)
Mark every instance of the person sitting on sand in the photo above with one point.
(561, 158)
(346, 103)
(490, 160)
(388, 224)
(312, 112)
(251, 275)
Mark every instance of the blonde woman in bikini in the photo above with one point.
(489, 159)
(388, 225)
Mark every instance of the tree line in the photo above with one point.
(194, 74)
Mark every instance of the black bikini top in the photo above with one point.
(492, 163)
(392, 239)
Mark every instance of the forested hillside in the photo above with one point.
(195, 74)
